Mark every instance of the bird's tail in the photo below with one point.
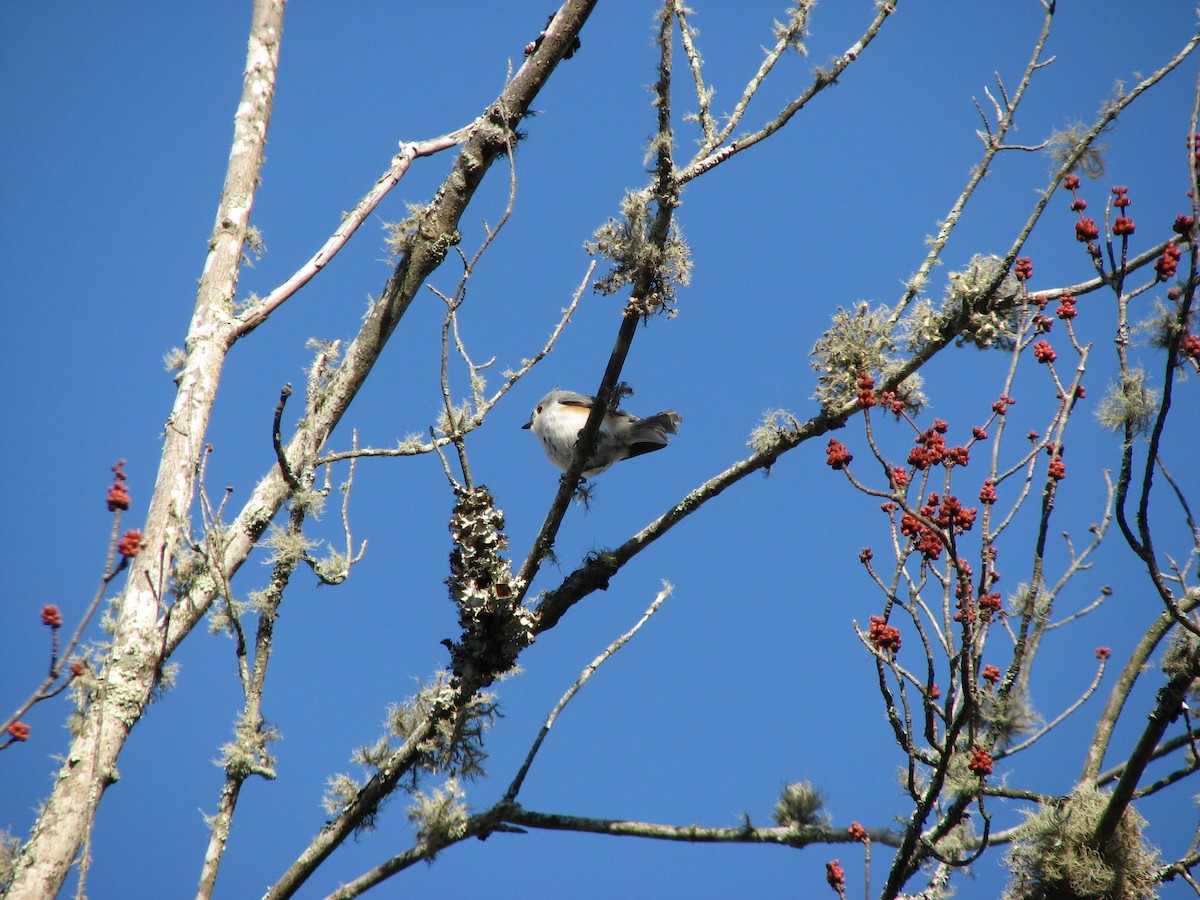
(650, 434)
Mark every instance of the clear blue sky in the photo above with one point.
(117, 120)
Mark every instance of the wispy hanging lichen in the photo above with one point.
(438, 816)
(795, 29)
(1057, 855)
(1062, 145)
(982, 302)
(775, 425)
(1128, 403)
(800, 804)
(628, 243)
(860, 340)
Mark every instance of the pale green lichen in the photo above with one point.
(800, 804)
(628, 243)
(1056, 854)
(1129, 403)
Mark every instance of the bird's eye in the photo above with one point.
(538, 410)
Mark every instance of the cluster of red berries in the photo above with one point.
(866, 391)
(131, 543)
(1086, 229)
(891, 401)
(865, 395)
(118, 494)
(1057, 469)
(1189, 345)
(987, 493)
(836, 877)
(1066, 307)
(18, 731)
(51, 617)
(1165, 265)
(949, 515)
(988, 604)
(990, 674)
(883, 635)
(1044, 353)
(1122, 225)
(1023, 268)
(931, 448)
(981, 762)
(927, 541)
(836, 454)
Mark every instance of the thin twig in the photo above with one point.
(258, 313)
(590, 669)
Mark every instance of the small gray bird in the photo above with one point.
(560, 415)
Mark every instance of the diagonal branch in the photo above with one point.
(257, 314)
(666, 195)
(135, 659)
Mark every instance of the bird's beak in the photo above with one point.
(528, 424)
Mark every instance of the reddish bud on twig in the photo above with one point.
(118, 496)
(130, 544)
(989, 604)
(837, 456)
(1066, 307)
(1058, 469)
(981, 762)
(1123, 226)
(1166, 264)
(1044, 353)
(883, 635)
(1189, 345)
(836, 877)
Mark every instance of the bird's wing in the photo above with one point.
(571, 398)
